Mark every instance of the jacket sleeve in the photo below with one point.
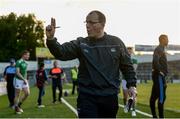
(67, 51)
(126, 67)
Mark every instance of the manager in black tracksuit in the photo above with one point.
(159, 72)
(101, 56)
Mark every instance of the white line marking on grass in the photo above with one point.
(138, 111)
(70, 106)
(75, 111)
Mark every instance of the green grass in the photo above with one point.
(172, 95)
(30, 107)
(60, 110)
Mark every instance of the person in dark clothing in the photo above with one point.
(56, 74)
(41, 80)
(9, 74)
(159, 72)
(101, 56)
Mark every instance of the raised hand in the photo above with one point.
(50, 29)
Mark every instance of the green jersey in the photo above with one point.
(135, 62)
(22, 65)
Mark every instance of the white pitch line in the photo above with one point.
(138, 111)
(71, 107)
(75, 111)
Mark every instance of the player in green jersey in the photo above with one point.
(20, 82)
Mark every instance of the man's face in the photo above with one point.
(130, 51)
(55, 63)
(26, 56)
(12, 63)
(93, 26)
(166, 41)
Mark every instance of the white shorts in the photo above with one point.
(19, 84)
(124, 84)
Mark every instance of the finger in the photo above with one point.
(53, 22)
(48, 28)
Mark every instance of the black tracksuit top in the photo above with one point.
(160, 60)
(100, 63)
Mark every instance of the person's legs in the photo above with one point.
(73, 88)
(125, 95)
(125, 91)
(162, 96)
(18, 87)
(18, 110)
(12, 95)
(133, 113)
(17, 95)
(125, 98)
(107, 106)
(86, 106)
(76, 87)
(161, 109)
(10, 91)
(153, 98)
(26, 92)
(41, 92)
(60, 91)
(9, 94)
(154, 93)
(54, 92)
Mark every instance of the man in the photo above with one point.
(9, 74)
(41, 80)
(56, 73)
(159, 72)
(125, 89)
(21, 82)
(74, 72)
(101, 56)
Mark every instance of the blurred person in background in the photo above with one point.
(21, 82)
(74, 72)
(159, 73)
(41, 80)
(56, 74)
(125, 89)
(9, 74)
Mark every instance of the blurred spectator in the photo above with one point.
(9, 74)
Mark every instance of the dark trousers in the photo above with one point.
(41, 94)
(10, 93)
(89, 106)
(74, 86)
(58, 85)
(158, 92)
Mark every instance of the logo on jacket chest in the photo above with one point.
(113, 50)
(86, 50)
